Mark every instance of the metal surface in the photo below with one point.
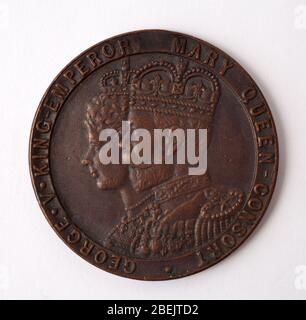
(153, 222)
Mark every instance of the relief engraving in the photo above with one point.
(168, 212)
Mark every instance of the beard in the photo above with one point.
(110, 176)
(145, 178)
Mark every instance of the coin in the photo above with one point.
(153, 221)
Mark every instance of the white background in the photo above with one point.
(38, 38)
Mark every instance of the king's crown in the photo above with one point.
(160, 86)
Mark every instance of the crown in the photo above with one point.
(163, 87)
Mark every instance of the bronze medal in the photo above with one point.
(153, 221)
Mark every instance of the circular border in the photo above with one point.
(250, 97)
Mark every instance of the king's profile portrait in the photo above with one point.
(167, 211)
